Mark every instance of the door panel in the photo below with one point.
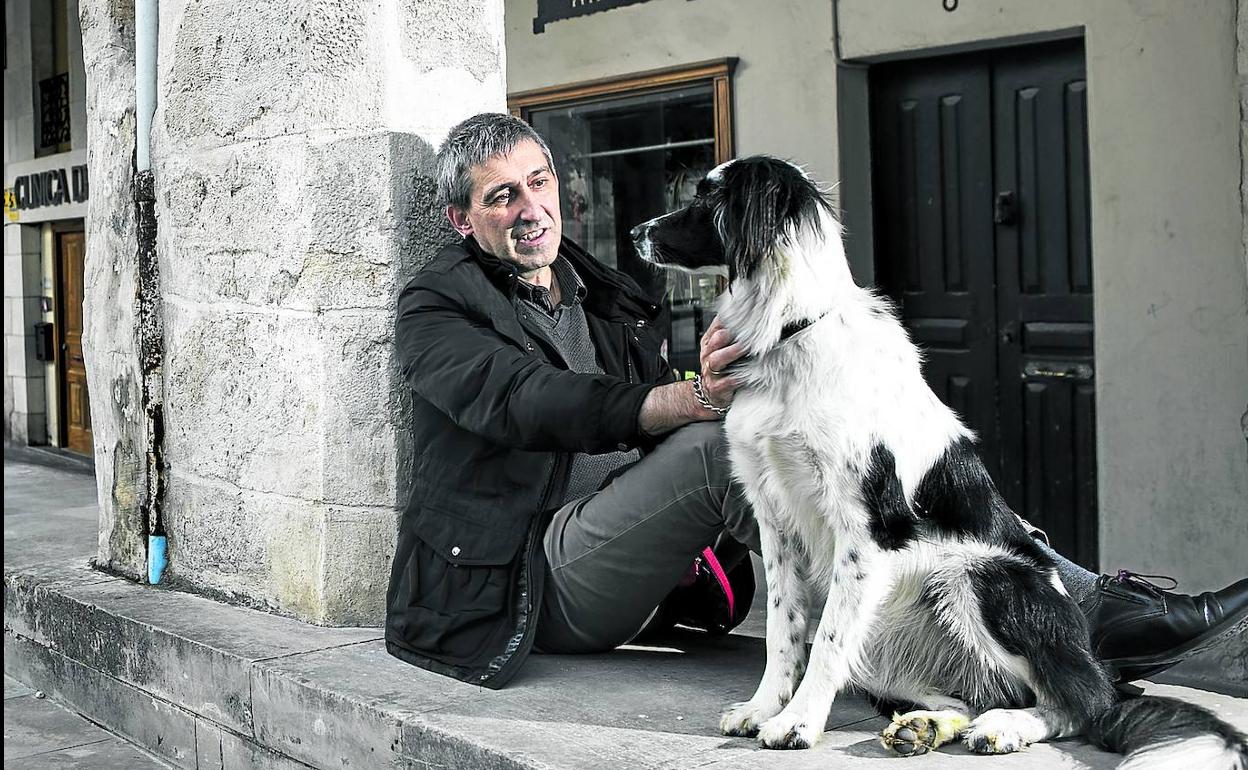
(1044, 285)
(75, 403)
(982, 237)
(933, 176)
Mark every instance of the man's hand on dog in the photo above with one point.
(671, 406)
(717, 351)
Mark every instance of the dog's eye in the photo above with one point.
(708, 191)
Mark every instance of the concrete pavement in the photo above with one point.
(50, 515)
(203, 684)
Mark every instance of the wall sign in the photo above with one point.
(555, 10)
(53, 187)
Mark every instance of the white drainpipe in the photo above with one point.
(146, 42)
(146, 23)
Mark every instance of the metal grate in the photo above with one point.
(54, 110)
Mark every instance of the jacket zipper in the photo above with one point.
(628, 359)
(533, 540)
(530, 550)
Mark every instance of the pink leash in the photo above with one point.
(722, 577)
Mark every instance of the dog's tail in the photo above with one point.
(1157, 733)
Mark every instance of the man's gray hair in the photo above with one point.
(473, 142)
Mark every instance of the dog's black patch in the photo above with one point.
(1028, 617)
(892, 521)
(957, 497)
(760, 198)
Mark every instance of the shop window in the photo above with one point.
(54, 112)
(628, 149)
(49, 68)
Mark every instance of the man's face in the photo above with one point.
(514, 208)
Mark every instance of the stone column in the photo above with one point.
(292, 157)
(109, 342)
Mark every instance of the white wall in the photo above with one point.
(25, 393)
(784, 90)
(19, 113)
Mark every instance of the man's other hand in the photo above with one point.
(717, 351)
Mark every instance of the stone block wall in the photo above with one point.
(292, 155)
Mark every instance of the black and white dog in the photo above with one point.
(868, 489)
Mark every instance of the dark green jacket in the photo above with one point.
(496, 418)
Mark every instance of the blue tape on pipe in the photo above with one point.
(155, 558)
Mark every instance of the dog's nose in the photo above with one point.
(639, 232)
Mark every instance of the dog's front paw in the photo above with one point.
(788, 731)
(995, 732)
(918, 732)
(743, 719)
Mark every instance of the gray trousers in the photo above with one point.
(615, 554)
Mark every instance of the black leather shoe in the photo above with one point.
(1138, 629)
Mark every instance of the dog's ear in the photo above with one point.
(763, 197)
(750, 224)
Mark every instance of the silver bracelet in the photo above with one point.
(702, 400)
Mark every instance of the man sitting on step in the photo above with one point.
(564, 481)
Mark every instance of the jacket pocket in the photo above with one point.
(469, 540)
(457, 598)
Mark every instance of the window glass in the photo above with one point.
(623, 160)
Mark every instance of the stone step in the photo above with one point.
(39, 732)
(202, 684)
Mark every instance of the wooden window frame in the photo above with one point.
(718, 72)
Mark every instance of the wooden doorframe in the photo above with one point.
(58, 318)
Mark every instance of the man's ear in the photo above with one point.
(459, 221)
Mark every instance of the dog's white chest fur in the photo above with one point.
(814, 406)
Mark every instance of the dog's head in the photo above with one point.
(743, 210)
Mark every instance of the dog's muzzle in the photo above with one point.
(641, 232)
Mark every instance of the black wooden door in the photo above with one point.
(982, 237)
